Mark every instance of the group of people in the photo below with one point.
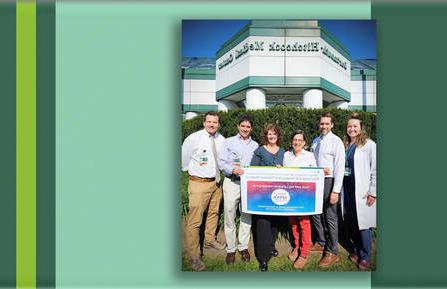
(349, 167)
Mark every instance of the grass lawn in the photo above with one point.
(278, 264)
(215, 260)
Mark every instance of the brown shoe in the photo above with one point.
(245, 255)
(231, 257)
(317, 248)
(293, 255)
(300, 263)
(197, 264)
(328, 260)
(364, 265)
(354, 258)
(214, 245)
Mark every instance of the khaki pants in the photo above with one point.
(232, 201)
(201, 196)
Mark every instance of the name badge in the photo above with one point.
(347, 171)
(203, 158)
(236, 159)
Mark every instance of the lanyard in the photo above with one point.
(349, 153)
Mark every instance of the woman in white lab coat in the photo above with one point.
(359, 191)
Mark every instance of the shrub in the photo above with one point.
(289, 119)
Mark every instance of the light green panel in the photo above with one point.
(199, 107)
(199, 73)
(115, 145)
(368, 108)
(118, 138)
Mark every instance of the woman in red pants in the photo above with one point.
(297, 156)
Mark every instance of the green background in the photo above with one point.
(118, 138)
(411, 105)
(111, 169)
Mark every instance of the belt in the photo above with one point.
(234, 178)
(201, 180)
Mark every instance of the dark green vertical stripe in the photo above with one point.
(46, 204)
(8, 145)
(411, 188)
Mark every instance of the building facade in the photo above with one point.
(279, 62)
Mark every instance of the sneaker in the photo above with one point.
(263, 267)
(245, 255)
(231, 257)
(328, 260)
(317, 248)
(300, 262)
(354, 258)
(214, 245)
(293, 255)
(197, 264)
(364, 265)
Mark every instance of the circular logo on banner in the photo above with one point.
(280, 197)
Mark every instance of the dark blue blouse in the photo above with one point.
(350, 158)
(262, 157)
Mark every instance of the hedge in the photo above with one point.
(289, 118)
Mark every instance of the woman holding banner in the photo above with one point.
(265, 228)
(297, 156)
(359, 191)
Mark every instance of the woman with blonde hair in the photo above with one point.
(265, 228)
(359, 191)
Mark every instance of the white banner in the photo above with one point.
(282, 191)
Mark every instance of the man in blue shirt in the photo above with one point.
(236, 153)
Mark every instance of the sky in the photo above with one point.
(202, 38)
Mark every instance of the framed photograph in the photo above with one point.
(310, 85)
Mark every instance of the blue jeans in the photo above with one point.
(361, 239)
(363, 245)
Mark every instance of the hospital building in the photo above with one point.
(278, 62)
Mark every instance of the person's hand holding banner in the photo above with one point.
(238, 171)
(334, 198)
